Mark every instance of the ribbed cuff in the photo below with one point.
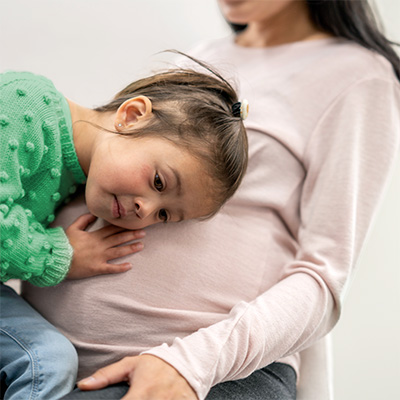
(58, 262)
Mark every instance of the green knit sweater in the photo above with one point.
(39, 169)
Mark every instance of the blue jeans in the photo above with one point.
(277, 381)
(37, 361)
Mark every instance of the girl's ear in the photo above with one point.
(132, 111)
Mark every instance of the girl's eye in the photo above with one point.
(158, 183)
(163, 215)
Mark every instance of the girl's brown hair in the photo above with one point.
(194, 110)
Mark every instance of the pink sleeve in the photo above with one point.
(349, 159)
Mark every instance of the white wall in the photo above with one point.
(366, 339)
(91, 48)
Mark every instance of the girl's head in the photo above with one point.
(348, 19)
(179, 141)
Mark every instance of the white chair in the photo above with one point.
(316, 371)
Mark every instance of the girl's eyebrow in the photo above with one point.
(178, 181)
(181, 215)
(180, 212)
(178, 189)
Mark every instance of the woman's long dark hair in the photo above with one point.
(352, 20)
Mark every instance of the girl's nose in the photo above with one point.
(144, 208)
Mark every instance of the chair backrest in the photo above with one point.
(316, 371)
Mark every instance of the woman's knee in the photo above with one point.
(60, 356)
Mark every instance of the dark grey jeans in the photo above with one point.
(277, 381)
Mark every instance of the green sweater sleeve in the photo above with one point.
(31, 252)
(31, 181)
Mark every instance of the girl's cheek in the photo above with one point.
(142, 175)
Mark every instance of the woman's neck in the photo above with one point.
(292, 24)
(85, 127)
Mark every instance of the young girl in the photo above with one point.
(169, 147)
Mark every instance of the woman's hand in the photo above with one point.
(93, 250)
(150, 378)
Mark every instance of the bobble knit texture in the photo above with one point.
(39, 169)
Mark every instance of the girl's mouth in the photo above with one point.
(118, 210)
(115, 208)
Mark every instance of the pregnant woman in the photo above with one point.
(220, 309)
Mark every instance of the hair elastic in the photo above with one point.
(241, 109)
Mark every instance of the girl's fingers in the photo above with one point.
(113, 268)
(124, 237)
(121, 251)
(111, 230)
(98, 269)
(82, 222)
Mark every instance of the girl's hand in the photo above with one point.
(93, 250)
(149, 377)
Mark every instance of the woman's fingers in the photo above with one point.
(149, 377)
(109, 375)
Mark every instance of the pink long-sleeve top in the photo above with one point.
(266, 277)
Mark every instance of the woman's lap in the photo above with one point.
(274, 382)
